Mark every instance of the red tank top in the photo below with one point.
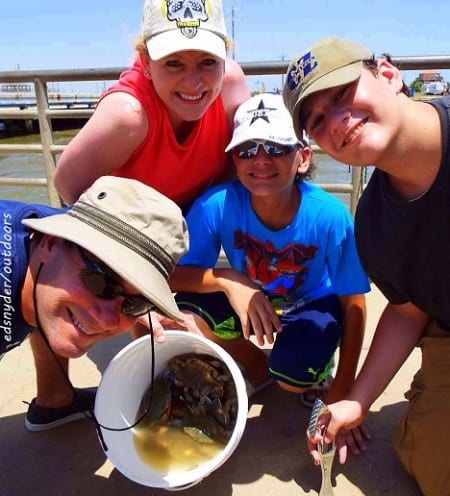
(179, 171)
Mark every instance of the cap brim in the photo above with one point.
(243, 133)
(338, 77)
(130, 266)
(264, 133)
(172, 41)
(239, 138)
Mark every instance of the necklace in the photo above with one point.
(419, 197)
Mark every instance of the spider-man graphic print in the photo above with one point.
(278, 272)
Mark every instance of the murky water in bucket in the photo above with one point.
(123, 385)
(167, 448)
(189, 414)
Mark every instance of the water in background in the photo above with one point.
(27, 165)
(31, 165)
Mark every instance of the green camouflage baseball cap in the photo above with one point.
(330, 62)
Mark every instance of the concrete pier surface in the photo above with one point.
(270, 460)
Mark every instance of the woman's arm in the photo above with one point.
(116, 128)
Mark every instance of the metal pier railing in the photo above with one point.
(44, 113)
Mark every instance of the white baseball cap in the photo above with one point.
(175, 25)
(263, 117)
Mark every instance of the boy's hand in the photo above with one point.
(341, 422)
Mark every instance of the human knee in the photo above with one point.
(291, 389)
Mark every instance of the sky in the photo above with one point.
(56, 34)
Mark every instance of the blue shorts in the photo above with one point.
(302, 354)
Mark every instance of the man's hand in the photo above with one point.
(161, 322)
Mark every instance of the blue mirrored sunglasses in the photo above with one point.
(250, 149)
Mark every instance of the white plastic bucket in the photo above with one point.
(119, 394)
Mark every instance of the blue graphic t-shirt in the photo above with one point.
(14, 244)
(314, 256)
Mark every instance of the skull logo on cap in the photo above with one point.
(188, 14)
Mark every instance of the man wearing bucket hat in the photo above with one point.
(357, 110)
(294, 267)
(168, 119)
(71, 278)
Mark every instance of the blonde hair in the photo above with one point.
(140, 46)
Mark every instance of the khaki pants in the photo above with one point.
(422, 438)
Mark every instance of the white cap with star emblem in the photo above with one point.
(263, 117)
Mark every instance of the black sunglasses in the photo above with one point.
(101, 283)
(249, 149)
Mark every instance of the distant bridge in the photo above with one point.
(27, 100)
(20, 111)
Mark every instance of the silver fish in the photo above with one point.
(326, 450)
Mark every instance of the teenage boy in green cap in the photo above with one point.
(355, 108)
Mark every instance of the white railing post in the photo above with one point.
(45, 129)
(357, 187)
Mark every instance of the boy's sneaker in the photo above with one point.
(318, 390)
(40, 418)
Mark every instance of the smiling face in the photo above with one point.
(265, 175)
(72, 317)
(356, 123)
(187, 82)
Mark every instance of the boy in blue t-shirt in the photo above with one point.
(294, 269)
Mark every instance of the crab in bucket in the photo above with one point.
(196, 392)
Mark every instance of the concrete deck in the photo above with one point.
(271, 459)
